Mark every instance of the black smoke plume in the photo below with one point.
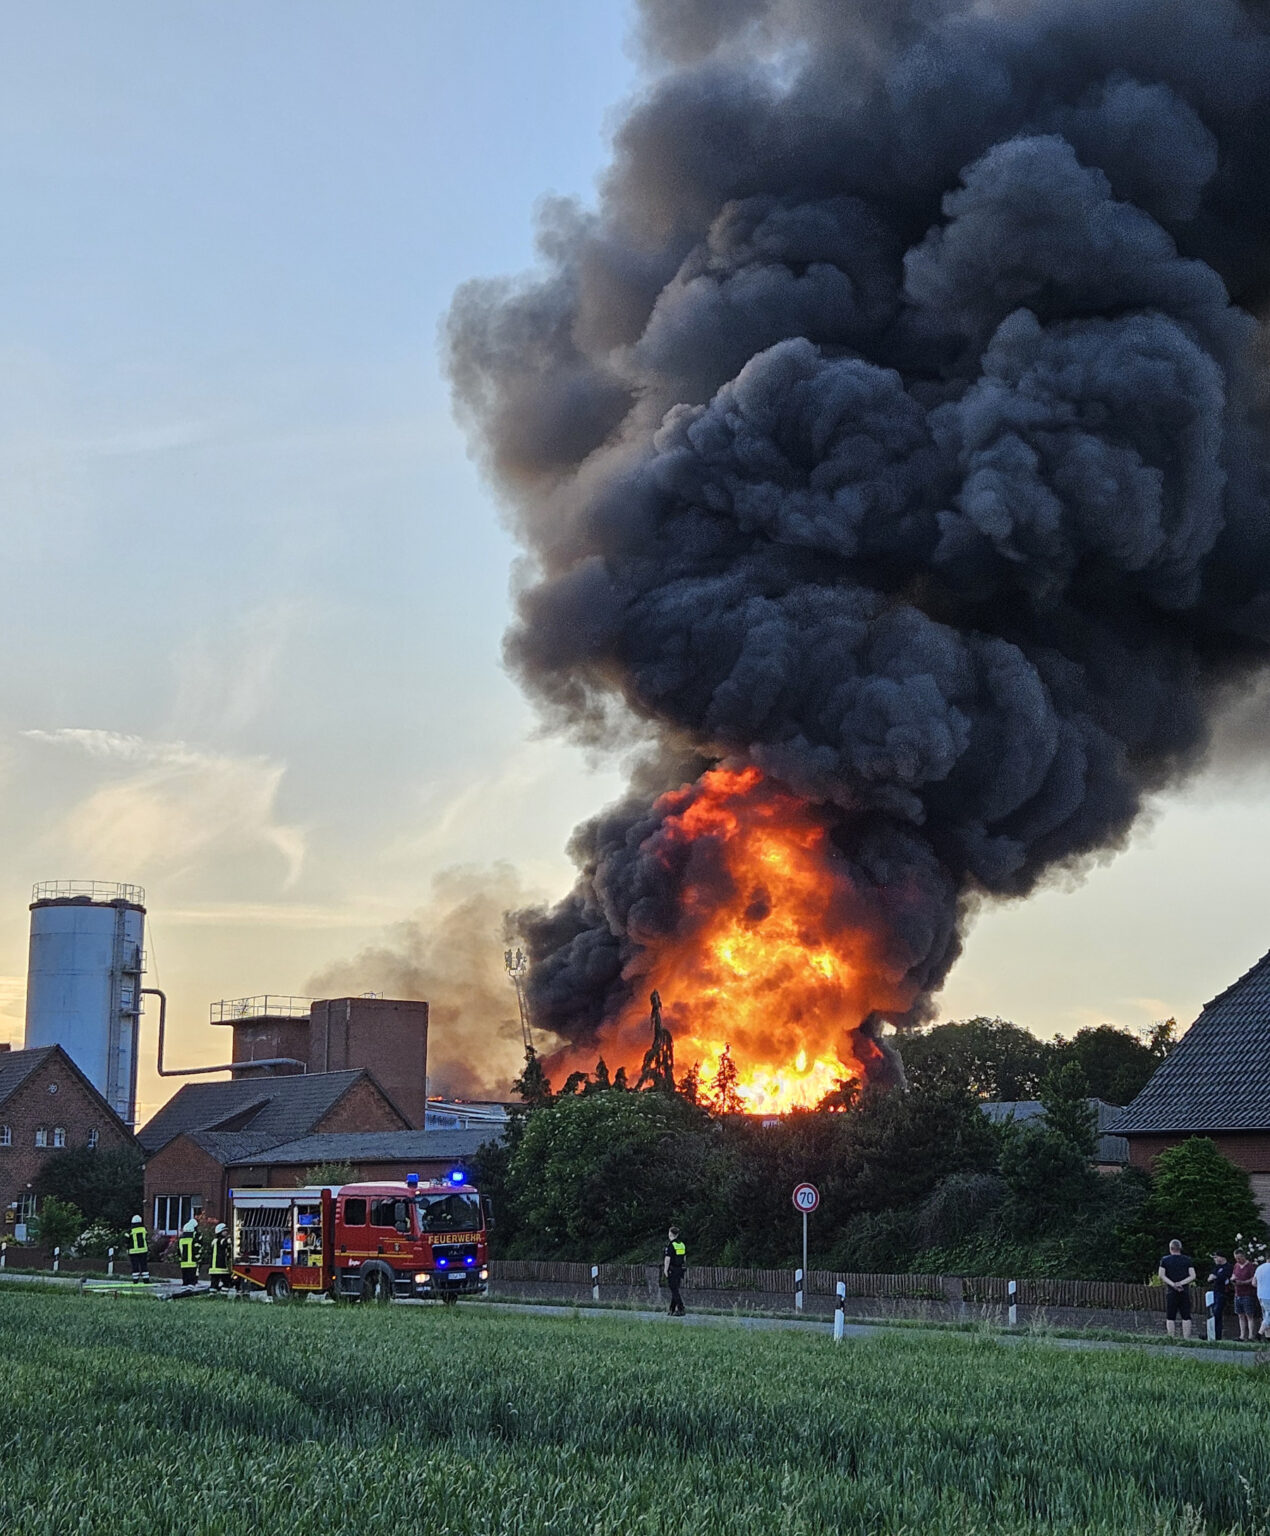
(893, 425)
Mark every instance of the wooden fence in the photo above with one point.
(978, 1290)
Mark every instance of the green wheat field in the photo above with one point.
(136, 1416)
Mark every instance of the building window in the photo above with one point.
(6, 1135)
(41, 1137)
(59, 1135)
(93, 1138)
(171, 1212)
(26, 1207)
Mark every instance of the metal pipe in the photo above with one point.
(229, 1066)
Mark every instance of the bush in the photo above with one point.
(59, 1224)
(1202, 1198)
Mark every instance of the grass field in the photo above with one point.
(198, 1418)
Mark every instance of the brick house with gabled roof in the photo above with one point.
(46, 1106)
(1215, 1082)
(205, 1127)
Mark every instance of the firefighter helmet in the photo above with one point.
(191, 1225)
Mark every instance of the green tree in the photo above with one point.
(1202, 1198)
(990, 1059)
(1117, 1064)
(533, 1085)
(1068, 1112)
(105, 1186)
(1048, 1181)
(600, 1175)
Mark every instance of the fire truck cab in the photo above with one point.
(373, 1242)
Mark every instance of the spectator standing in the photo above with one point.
(1261, 1283)
(1219, 1284)
(1177, 1271)
(675, 1262)
(1245, 1294)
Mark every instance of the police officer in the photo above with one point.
(139, 1250)
(220, 1266)
(187, 1252)
(675, 1262)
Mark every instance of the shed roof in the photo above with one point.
(272, 1109)
(1110, 1149)
(1217, 1077)
(375, 1147)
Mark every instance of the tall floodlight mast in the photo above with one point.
(517, 963)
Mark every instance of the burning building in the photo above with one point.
(889, 451)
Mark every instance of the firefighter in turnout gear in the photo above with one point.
(139, 1250)
(675, 1263)
(220, 1265)
(187, 1252)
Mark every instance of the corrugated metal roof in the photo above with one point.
(275, 1109)
(1217, 1077)
(376, 1147)
(1110, 1149)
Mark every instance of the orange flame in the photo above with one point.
(768, 957)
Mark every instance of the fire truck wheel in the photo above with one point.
(376, 1286)
(278, 1288)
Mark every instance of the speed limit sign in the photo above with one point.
(806, 1198)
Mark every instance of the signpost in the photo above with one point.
(806, 1198)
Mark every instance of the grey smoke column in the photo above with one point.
(895, 426)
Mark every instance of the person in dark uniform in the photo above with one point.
(187, 1253)
(139, 1250)
(675, 1263)
(219, 1268)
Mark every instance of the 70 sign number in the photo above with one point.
(806, 1198)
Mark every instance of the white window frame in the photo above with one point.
(94, 1136)
(26, 1204)
(59, 1135)
(6, 1135)
(171, 1212)
(41, 1136)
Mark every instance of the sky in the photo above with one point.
(255, 587)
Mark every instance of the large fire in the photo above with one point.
(767, 960)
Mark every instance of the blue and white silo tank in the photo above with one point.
(83, 981)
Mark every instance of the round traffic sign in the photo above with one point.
(806, 1198)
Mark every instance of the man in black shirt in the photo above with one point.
(675, 1262)
(1177, 1271)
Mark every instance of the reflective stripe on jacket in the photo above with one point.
(220, 1256)
(187, 1250)
(137, 1240)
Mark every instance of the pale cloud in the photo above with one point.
(174, 805)
(226, 676)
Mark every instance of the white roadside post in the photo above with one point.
(110, 1261)
(1013, 1289)
(1209, 1300)
(806, 1198)
(4, 1254)
(57, 1259)
(595, 1282)
(839, 1311)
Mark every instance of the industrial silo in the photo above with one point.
(83, 981)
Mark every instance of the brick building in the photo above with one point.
(46, 1106)
(205, 1128)
(370, 1155)
(386, 1035)
(1215, 1082)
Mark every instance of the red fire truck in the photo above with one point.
(372, 1242)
